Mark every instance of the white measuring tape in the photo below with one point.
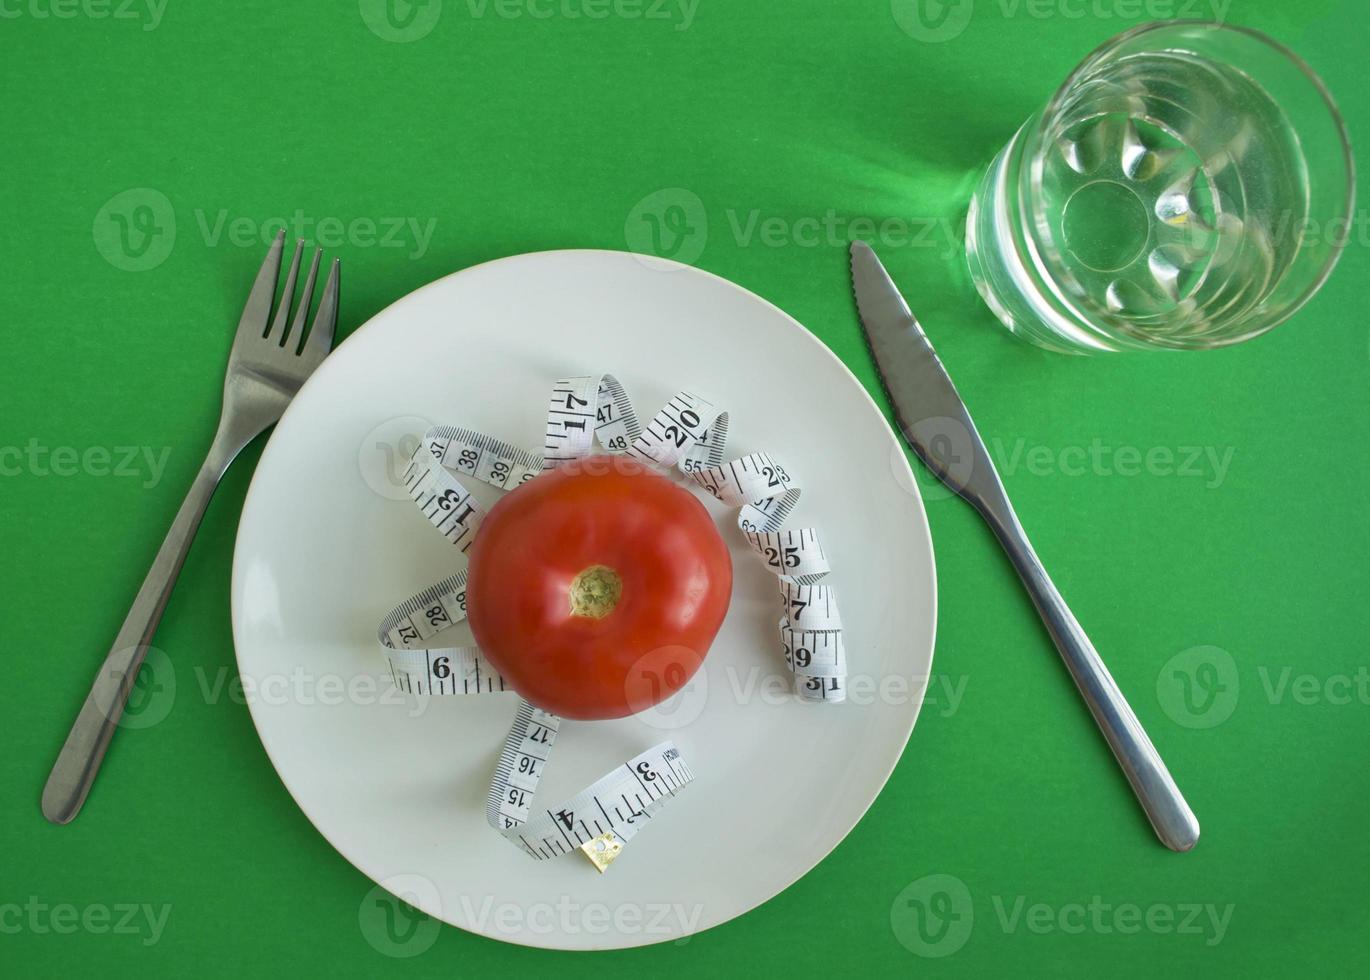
(689, 433)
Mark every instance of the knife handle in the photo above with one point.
(1165, 807)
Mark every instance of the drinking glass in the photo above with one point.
(1189, 186)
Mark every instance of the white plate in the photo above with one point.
(326, 546)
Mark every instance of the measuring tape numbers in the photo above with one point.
(688, 434)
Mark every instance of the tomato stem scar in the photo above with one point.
(595, 592)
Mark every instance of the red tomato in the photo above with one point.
(596, 588)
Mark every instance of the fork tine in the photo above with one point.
(320, 340)
(287, 294)
(257, 311)
(302, 311)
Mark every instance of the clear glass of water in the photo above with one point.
(1189, 186)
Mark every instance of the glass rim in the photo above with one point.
(1334, 113)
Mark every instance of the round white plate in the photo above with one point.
(328, 543)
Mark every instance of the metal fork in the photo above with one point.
(263, 375)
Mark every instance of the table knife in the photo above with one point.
(931, 416)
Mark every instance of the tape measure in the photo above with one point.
(688, 434)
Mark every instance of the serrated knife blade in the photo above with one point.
(934, 420)
(927, 407)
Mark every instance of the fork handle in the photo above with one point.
(79, 761)
(1170, 816)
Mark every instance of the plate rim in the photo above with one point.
(672, 267)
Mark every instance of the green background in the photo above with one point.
(1246, 581)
